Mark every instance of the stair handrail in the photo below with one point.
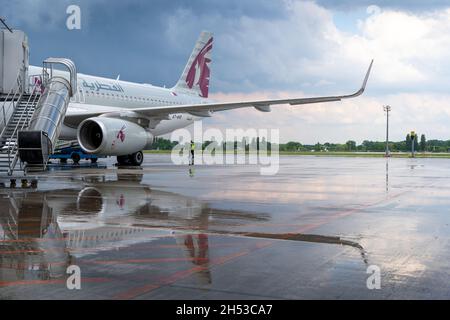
(25, 111)
(69, 64)
(17, 91)
(19, 126)
(47, 78)
(24, 124)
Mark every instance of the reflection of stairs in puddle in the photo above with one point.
(10, 218)
(104, 238)
(28, 250)
(26, 219)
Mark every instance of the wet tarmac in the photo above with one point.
(225, 232)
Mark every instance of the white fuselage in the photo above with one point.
(104, 95)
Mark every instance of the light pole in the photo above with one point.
(387, 109)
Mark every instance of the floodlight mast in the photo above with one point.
(387, 109)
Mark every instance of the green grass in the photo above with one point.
(158, 151)
(368, 154)
(342, 154)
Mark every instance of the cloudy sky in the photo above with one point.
(268, 49)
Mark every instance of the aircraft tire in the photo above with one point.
(76, 158)
(136, 158)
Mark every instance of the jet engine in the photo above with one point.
(112, 136)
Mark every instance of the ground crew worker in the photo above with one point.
(192, 151)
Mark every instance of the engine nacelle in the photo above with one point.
(112, 136)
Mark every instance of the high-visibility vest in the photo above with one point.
(192, 146)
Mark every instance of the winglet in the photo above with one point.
(363, 87)
(367, 77)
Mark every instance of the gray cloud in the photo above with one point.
(260, 45)
(410, 5)
(127, 37)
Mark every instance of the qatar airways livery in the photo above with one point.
(112, 117)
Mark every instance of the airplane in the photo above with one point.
(111, 117)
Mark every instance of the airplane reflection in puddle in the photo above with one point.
(42, 233)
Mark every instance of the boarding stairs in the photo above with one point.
(20, 108)
(19, 120)
(32, 121)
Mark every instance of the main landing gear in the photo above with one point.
(134, 159)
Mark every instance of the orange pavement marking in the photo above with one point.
(132, 293)
(51, 281)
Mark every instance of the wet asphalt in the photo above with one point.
(315, 230)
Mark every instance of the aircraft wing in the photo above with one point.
(262, 105)
(206, 109)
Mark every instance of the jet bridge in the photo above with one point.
(37, 142)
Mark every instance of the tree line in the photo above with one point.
(253, 144)
(421, 144)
